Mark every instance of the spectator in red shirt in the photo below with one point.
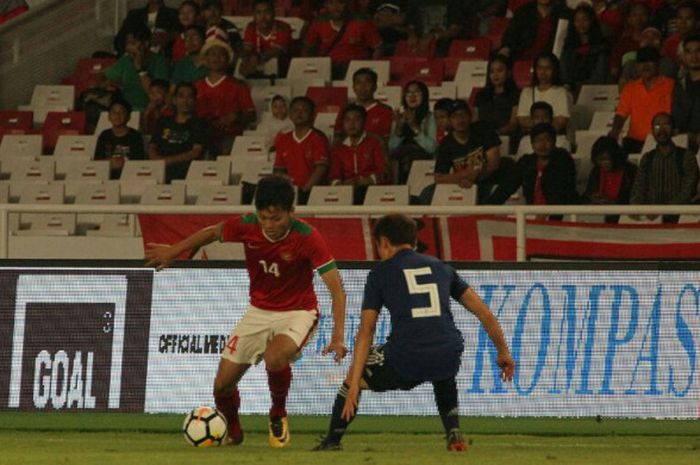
(302, 153)
(342, 36)
(224, 102)
(265, 38)
(359, 160)
(157, 105)
(379, 115)
(609, 17)
(187, 15)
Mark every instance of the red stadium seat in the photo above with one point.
(422, 50)
(496, 30)
(472, 96)
(404, 69)
(328, 99)
(15, 122)
(522, 73)
(88, 72)
(475, 49)
(58, 123)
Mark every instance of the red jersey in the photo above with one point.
(364, 159)
(221, 98)
(360, 36)
(280, 37)
(281, 272)
(378, 121)
(299, 157)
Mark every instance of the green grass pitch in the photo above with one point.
(133, 439)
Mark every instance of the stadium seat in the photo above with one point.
(72, 146)
(47, 98)
(325, 122)
(164, 194)
(421, 175)
(387, 195)
(88, 73)
(599, 97)
(87, 171)
(262, 95)
(446, 90)
(583, 166)
(310, 68)
(219, 195)
(241, 22)
(251, 169)
(4, 192)
(496, 30)
(14, 146)
(89, 193)
(331, 195)
(328, 99)
(405, 69)
(137, 174)
(470, 50)
(585, 141)
(41, 170)
(642, 219)
(522, 73)
(103, 122)
(116, 225)
(15, 122)
(381, 67)
(244, 146)
(602, 121)
(389, 95)
(452, 194)
(470, 74)
(210, 172)
(60, 123)
(44, 224)
(295, 23)
(422, 50)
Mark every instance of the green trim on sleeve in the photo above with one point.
(327, 267)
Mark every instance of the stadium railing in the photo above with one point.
(520, 212)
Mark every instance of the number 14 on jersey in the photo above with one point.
(271, 268)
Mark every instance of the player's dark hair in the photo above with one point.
(443, 104)
(369, 72)
(542, 105)
(306, 100)
(274, 191)
(201, 32)
(187, 85)
(397, 228)
(609, 145)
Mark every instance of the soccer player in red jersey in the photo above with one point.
(281, 255)
(302, 153)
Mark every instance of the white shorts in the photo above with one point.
(249, 339)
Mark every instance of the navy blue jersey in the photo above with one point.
(424, 344)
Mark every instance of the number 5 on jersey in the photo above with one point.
(428, 288)
(272, 268)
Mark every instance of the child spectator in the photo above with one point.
(277, 120)
(546, 87)
(547, 176)
(541, 112)
(188, 14)
(181, 138)
(359, 160)
(224, 102)
(610, 180)
(379, 115)
(192, 66)
(584, 58)
(343, 37)
(413, 134)
(441, 111)
(302, 154)
(120, 142)
(135, 69)
(157, 105)
(497, 103)
(641, 99)
(265, 38)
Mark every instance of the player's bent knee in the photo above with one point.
(223, 388)
(275, 361)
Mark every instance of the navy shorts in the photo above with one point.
(381, 377)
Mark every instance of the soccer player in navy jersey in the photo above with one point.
(424, 345)
(281, 255)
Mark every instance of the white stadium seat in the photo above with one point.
(387, 195)
(331, 195)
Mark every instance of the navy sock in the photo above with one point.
(446, 399)
(338, 425)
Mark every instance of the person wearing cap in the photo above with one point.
(396, 20)
(547, 176)
(134, 71)
(469, 155)
(265, 39)
(224, 102)
(641, 99)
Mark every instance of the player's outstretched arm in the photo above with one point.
(162, 255)
(363, 342)
(474, 304)
(334, 283)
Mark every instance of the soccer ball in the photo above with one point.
(204, 427)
